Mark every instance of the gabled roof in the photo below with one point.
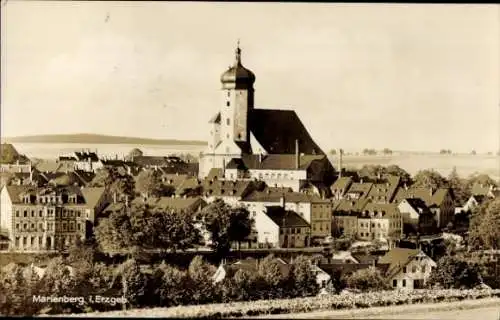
(341, 183)
(224, 188)
(385, 210)
(215, 173)
(276, 194)
(361, 188)
(384, 191)
(430, 198)
(92, 195)
(285, 218)
(174, 180)
(272, 162)
(397, 258)
(418, 205)
(179, 204)
(277, 130)
(187, 184)
(350, 206)
(481, 189)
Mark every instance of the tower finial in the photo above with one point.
(238, 53)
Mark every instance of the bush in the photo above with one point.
(368, 279)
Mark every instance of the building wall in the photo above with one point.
(416, 270)
(348, 225)
(5, 211)
(303, 209)
(295, 237)
(364, 229)
(267, 230)
(410, 216)
(321, 220)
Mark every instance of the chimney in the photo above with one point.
(340, 151)
(282, 201)
(297, 156)
(224, 167)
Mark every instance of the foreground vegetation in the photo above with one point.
(320, 303)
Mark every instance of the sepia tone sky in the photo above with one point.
(406, 76)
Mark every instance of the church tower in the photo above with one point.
(230, 132)
(237, 104)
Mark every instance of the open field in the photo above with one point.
(487, 309)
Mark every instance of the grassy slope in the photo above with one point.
(97, 139)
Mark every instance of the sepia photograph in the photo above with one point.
(219, 159)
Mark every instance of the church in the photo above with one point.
(265, 144)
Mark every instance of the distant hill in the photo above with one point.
(98, 139)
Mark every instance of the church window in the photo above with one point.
(228, 103)
(228, 121)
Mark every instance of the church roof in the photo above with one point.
(272, 162)
(277, 131)
(238, 74)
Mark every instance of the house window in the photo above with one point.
(17, 241)
(404, 270)
(414, 269)
(25, 213)
(40, 243)
(32, 213)
(17, 226)
(40, 226)
(395, 283)
(25, 241)
(423, 268)
(404, 282)
(32, 226)
(40, 213)
(32, 241)
(228, 122)
(25, 226)
(17, 213)
(64, 226)
(227, 104)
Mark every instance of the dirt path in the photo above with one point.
(485, 309)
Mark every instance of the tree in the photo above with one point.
(387, 151)
(484, 229)
(459, 187)
(369, 279)
(117, 183)
(135, 153)
(115, 234)
(17, 291)
(473, 152)
(273, 278)
(225, 225)
(395, 170)
(133, 282)
(429, 179)
(371, 171)
(483, 179)
(302, 278)
(170, 285)
(148, 183)
(452, 272)
(200, 283)
(173, 230)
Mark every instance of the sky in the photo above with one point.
(402, 76)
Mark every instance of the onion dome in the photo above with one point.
(237, 74)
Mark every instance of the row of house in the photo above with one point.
(402, 268)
